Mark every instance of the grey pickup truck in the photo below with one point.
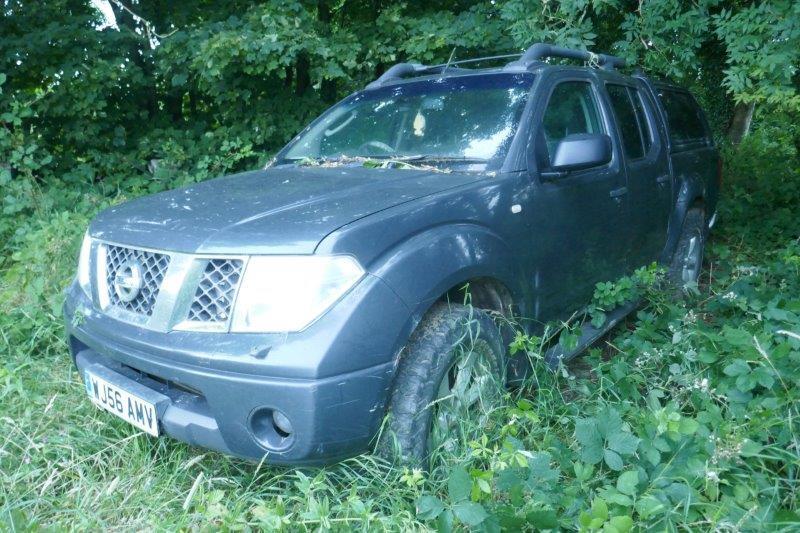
(315, 309)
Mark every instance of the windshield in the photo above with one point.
(466, 118)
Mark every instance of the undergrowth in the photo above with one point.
(684, 418)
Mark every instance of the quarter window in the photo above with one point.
(571, 110)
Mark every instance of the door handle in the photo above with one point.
(616, 193)
(661, 180)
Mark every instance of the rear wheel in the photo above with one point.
(687, 261)
(449, 380)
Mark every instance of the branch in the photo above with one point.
(148, 26)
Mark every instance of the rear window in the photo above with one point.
(683, 116)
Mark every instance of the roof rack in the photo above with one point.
(535, 53)
(531, 57)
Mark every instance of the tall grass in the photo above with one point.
(684, 418)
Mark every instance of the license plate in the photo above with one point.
(122, 403)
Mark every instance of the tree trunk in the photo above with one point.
(303, 78)
(740, 123)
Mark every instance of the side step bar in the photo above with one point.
(589, 335)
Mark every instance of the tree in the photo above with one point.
(210, 86)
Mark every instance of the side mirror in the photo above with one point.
(582, 150)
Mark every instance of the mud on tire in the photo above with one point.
(452, 367)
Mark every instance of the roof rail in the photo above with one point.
(407, 70)
(529, 58)
(396, 72)
(540, 51)
(476, 60)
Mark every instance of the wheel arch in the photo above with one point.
(690, 195)
(450, 263)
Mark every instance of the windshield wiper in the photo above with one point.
(453, 159)
(429, 158)
(388, 160)
(325, 160)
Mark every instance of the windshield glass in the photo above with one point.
(467, 118)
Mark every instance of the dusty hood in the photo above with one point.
(274, 211)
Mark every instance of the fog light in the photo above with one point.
(272, 429)
(282, 424)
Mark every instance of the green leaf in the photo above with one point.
(764, 377)
(619, 524)
(470, 513)
(737, 368)
(688, 426)
(750, 448)
(429, 507)
(542, 519)
(623, 443)
(609, 422)
(599, 509)
(648, 506)
(627, 481)
(444, 523)
(179, 80)
(540, 470)
(611, 495)
(589, 438)
(613, 460)
(459, 485)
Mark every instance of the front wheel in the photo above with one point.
(688, 258)
(449, 380)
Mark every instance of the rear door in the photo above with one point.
(647, 169)
(694, 158)
(578, 219)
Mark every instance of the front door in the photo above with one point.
(577, 219)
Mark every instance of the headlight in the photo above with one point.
(287, 293)
(84, 280)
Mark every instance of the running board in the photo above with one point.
(589, 335)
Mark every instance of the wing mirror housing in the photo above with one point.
(580, 151)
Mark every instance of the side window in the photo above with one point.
(644, 124)
(572, 109)
(683, 117)
(627, 121)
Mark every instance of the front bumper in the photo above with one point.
(218, 390)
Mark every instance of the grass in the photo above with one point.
(685, 417)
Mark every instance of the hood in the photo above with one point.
(275, 211)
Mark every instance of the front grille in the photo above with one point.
(152, 267)
(215, 292)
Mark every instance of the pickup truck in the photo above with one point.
(315, 309)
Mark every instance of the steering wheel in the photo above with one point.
(376, 144)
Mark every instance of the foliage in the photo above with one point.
(182, 92)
